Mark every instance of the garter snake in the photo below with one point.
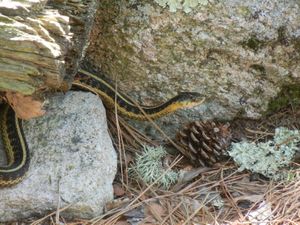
(13, 137)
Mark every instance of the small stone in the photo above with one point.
(73, 162)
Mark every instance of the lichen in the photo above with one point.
(149, 168)
(185, 5)
(289, 95)
(267, 158)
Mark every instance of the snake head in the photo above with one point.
(190, 99)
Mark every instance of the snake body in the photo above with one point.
(15, 147)
(15, 143)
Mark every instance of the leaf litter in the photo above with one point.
(217, 195)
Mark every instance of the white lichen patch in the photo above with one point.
(269, 157)
(150, 169)
(185, 5)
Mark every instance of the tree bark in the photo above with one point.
(42, 43)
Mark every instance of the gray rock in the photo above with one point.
(239, 54)
(72, 161)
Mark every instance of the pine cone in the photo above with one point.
(204, 142)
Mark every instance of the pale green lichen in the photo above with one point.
(149, 167)
(269, 157)
(185, 5)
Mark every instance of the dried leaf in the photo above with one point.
(156, 210)
(262, 215)
(128, 159)
(122, 222)
(25, 106)
(187, 176)
(135, 214)
(117, 203)
(118, 190)
(149, 220)
(251, 198)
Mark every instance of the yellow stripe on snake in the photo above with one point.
(15, 143)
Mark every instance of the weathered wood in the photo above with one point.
(41, 43)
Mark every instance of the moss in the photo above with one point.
(244, 10)
(253, 43)
(296, 43)
(258, 91)
(241, 113)
(259, 68)
(282, 37)
(289, 95)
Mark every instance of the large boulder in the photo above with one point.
(239, 54)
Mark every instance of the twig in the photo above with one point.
(143, 192)
(58, 206)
